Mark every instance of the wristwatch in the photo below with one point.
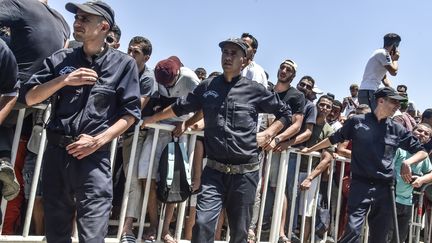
(277, 140)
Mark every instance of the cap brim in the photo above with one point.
(73, 8)
(223, 43)
(317, 90)
(398, 97)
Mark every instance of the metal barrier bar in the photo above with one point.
(264, 194)
(36, 175)
(279, 197)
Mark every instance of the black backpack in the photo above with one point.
(174, 181)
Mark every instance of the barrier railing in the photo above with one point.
(281, 189)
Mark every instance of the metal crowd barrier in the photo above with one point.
(273, 235)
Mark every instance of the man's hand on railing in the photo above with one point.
(418, 181)
(306, 184)
(263, 139)
(148, 120)
(283, 146)
(305, 150)
(179, 129)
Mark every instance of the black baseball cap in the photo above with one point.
(237, 41)
(390, 93)
(98, 8)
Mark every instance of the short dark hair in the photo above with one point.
(427, 114)
(146, 46)
(310, 79)
(337, 103)
(392, 38)
(254, 40)
(117, 32)
(325, 97)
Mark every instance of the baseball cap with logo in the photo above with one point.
(388, 92)
(98, 8)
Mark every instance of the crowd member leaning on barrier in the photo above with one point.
(320, 131)
(404, 191)
(140, 48)
(230, 105)
(96, 98)
(375, 138)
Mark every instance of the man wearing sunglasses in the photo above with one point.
(96, 98)
(375, 139)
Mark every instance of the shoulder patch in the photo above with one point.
(66, 70)
(211, 93)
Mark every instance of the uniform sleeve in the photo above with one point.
(271, 103)
(344, 133)
(127, 92)
(10, 13)
(8, 70)
(44, 75)
(190, 103)
(408, 141)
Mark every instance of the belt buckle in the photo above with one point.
(228, 169)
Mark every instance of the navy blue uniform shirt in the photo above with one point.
(91, 109)
(231, 115)
(374, 144)
(8, 70)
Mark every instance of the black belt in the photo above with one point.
(64, 140)
(232, 169)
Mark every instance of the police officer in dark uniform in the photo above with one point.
(230, 105)
(96, 98)
(375, 138)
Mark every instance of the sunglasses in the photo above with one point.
(109, 40)
(305, 85)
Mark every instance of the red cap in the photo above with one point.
(166, 70)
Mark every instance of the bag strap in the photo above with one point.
(185, 162)
(171, 163)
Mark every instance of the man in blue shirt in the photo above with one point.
(96, 98)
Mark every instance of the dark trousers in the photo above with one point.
(367, 97)
(404, 218)
(234, 192)
(82, 186)
(363, 196)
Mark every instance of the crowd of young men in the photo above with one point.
(98, 93)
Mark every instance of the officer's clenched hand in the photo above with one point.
(406, 172)
(84, 146)
(81, 76)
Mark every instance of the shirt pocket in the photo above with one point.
(244, 116)
(101, 103)
(390, 146)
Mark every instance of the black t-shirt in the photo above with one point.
(8, 70)
(294, 98)
(37, 31)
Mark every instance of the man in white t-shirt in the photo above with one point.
(350, 103)
(382, 60)
(252, 70)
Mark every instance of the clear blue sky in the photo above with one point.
(330, 40)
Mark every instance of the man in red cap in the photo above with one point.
(174, 81)
(230, 105)
(96, 98)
